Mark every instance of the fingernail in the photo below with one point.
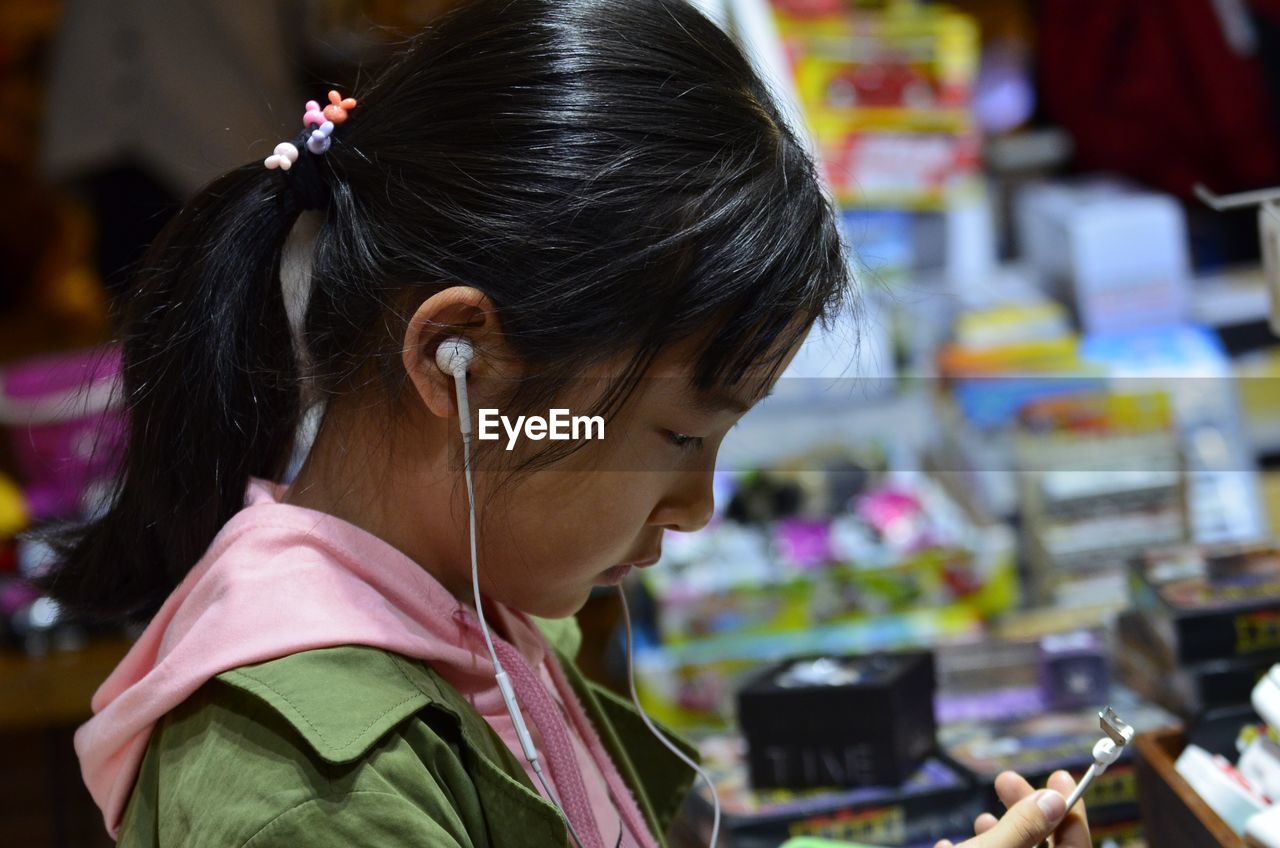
(1053, 805)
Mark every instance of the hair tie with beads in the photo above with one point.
(306, 184)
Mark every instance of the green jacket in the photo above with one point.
(356, 746)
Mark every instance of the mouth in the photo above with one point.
(614, 576)
(618, 573)
(643, 563)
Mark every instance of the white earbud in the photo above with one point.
(454, 355)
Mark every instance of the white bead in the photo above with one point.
(283, 158)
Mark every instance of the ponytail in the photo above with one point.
(212, 392)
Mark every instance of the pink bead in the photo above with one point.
(313, 114)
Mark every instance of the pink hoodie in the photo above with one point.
(345, 586)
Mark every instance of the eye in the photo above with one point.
(685, 443)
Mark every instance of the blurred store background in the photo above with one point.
(1044, 456)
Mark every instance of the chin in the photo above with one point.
(557, 607)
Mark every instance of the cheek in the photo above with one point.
(617, 508)
(565, 524)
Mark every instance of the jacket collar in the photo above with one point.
(658, 779)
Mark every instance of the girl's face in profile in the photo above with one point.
(554, 533)
(546, 536)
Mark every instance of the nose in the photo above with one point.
(689, 504)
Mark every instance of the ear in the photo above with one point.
(455, 311)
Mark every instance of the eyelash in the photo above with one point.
(685, 443)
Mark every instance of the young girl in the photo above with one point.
(601, 200)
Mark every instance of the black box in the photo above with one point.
(839, 721)
(1148, 665)
(1210, 602)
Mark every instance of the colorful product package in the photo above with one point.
(1210, 602)
(888, 94)
(66, 427)
(938, 801)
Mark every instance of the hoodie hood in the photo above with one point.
(344, 585)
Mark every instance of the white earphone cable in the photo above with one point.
(504, 684)
(635, 699)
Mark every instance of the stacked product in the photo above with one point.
(1117, 253)
(1101, 481)
(888, 95)
(894, 565)
(1000, 679)
(1191, 365)
(1205, 624)
(1002, 357)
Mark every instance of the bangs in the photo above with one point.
(777, 264)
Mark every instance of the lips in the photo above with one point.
(643, 563)
(616, 574)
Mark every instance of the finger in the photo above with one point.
(983, 823)
(945, 843)
(1074, 830)
(1012, 787)
(1028, 822)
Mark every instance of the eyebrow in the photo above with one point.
(719, 400)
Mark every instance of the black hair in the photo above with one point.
(613, 174)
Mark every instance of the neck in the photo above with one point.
(388, 492)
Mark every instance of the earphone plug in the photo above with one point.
(1105, 753)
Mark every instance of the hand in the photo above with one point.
(1028, 824)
